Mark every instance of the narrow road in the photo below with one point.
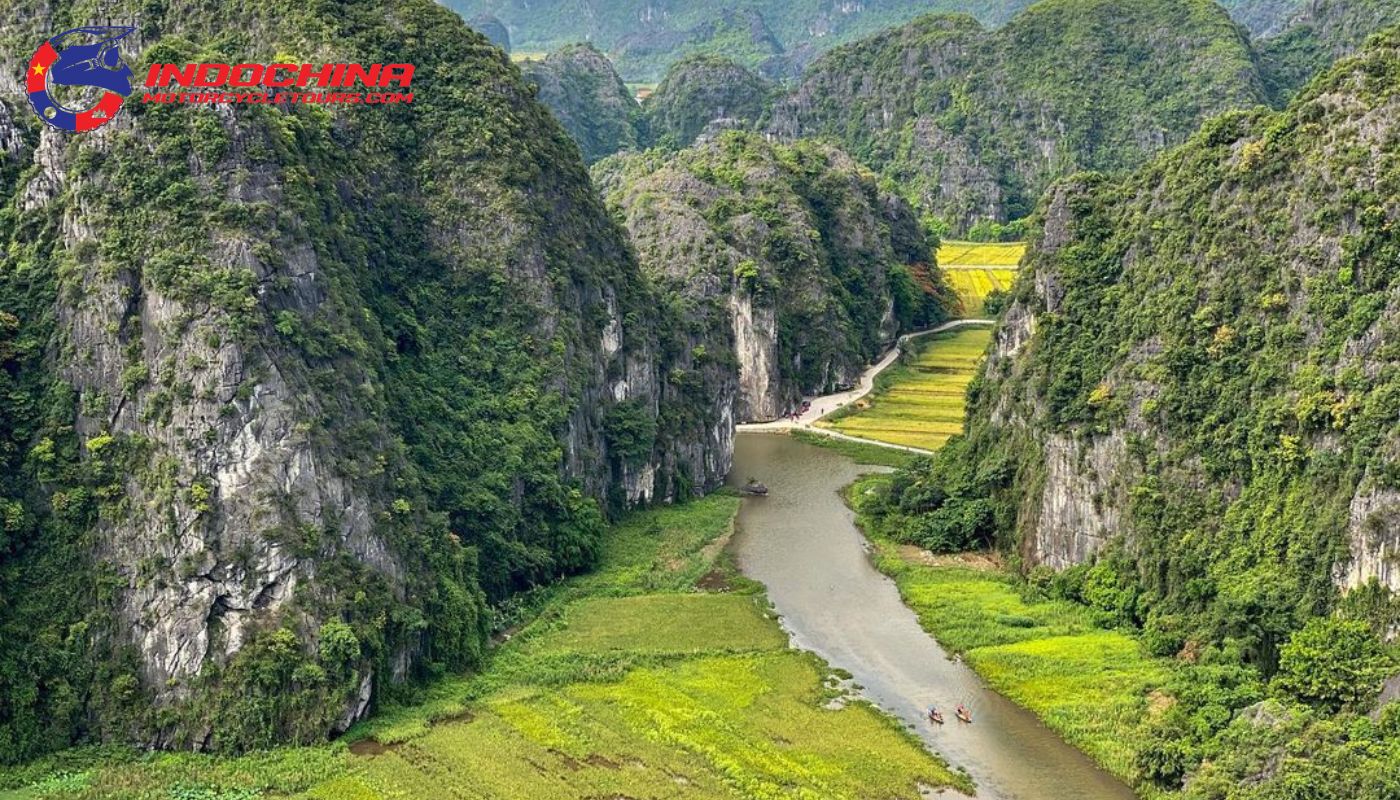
(821, 406)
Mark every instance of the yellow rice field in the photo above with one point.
(975, 269)
(919, 402)
(981, 254)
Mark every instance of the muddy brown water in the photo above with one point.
(802, 543)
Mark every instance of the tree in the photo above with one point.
(1333, 662)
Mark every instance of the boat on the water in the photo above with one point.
(964, 715)
(935, 716)
(753, 487)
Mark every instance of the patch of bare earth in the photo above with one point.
(369, 747)
(716, 580)
(1158, 702)
(981, 560)
(465, 715)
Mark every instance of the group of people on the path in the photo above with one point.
(796, 415)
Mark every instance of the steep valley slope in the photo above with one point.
(1196, 379)
(1186, 426)
(289, 394)
(793, 268)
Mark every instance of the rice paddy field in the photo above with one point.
(919, 401)
(663, 674)
(976, 269)
(1094, 687)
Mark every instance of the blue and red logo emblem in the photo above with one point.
(87, 64)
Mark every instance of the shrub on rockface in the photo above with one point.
(1332, 663)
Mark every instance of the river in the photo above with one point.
(802, 543)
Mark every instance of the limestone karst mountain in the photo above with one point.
(289, 392)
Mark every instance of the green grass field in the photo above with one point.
(918, 402)
(975, 270)
(1092, 686)
(663, 674)
(859, 452)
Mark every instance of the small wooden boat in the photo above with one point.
(755, 488)
(965, 715)
(935, 716)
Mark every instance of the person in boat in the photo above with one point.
(934, 715)
(754, 487)
(963, 713)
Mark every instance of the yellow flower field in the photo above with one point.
(919, 402)
(975, 269)
(981, 254)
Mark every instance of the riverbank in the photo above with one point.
(802, 543)
(1096, 687)
(663, 673)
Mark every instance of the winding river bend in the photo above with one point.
(801, 541)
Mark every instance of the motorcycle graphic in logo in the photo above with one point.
(86, 66)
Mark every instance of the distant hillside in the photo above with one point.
(703, 93)
(1319, 33)
(1264, 17)
(646, 36)
(579, 86)
(793, 267)
(973, 124)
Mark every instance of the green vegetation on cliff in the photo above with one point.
(1322, 32)
(1189, 410)
(278, 422)
(579, 85)
(790, 263)
(973, 124)
(701, 90)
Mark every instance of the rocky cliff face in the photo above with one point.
(579, 85)
(791, 261)
(976, 123)
(702, 96)
(492, 29)
(1317, 33)
(1196, 376)
(644, 52)
(291, 392)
